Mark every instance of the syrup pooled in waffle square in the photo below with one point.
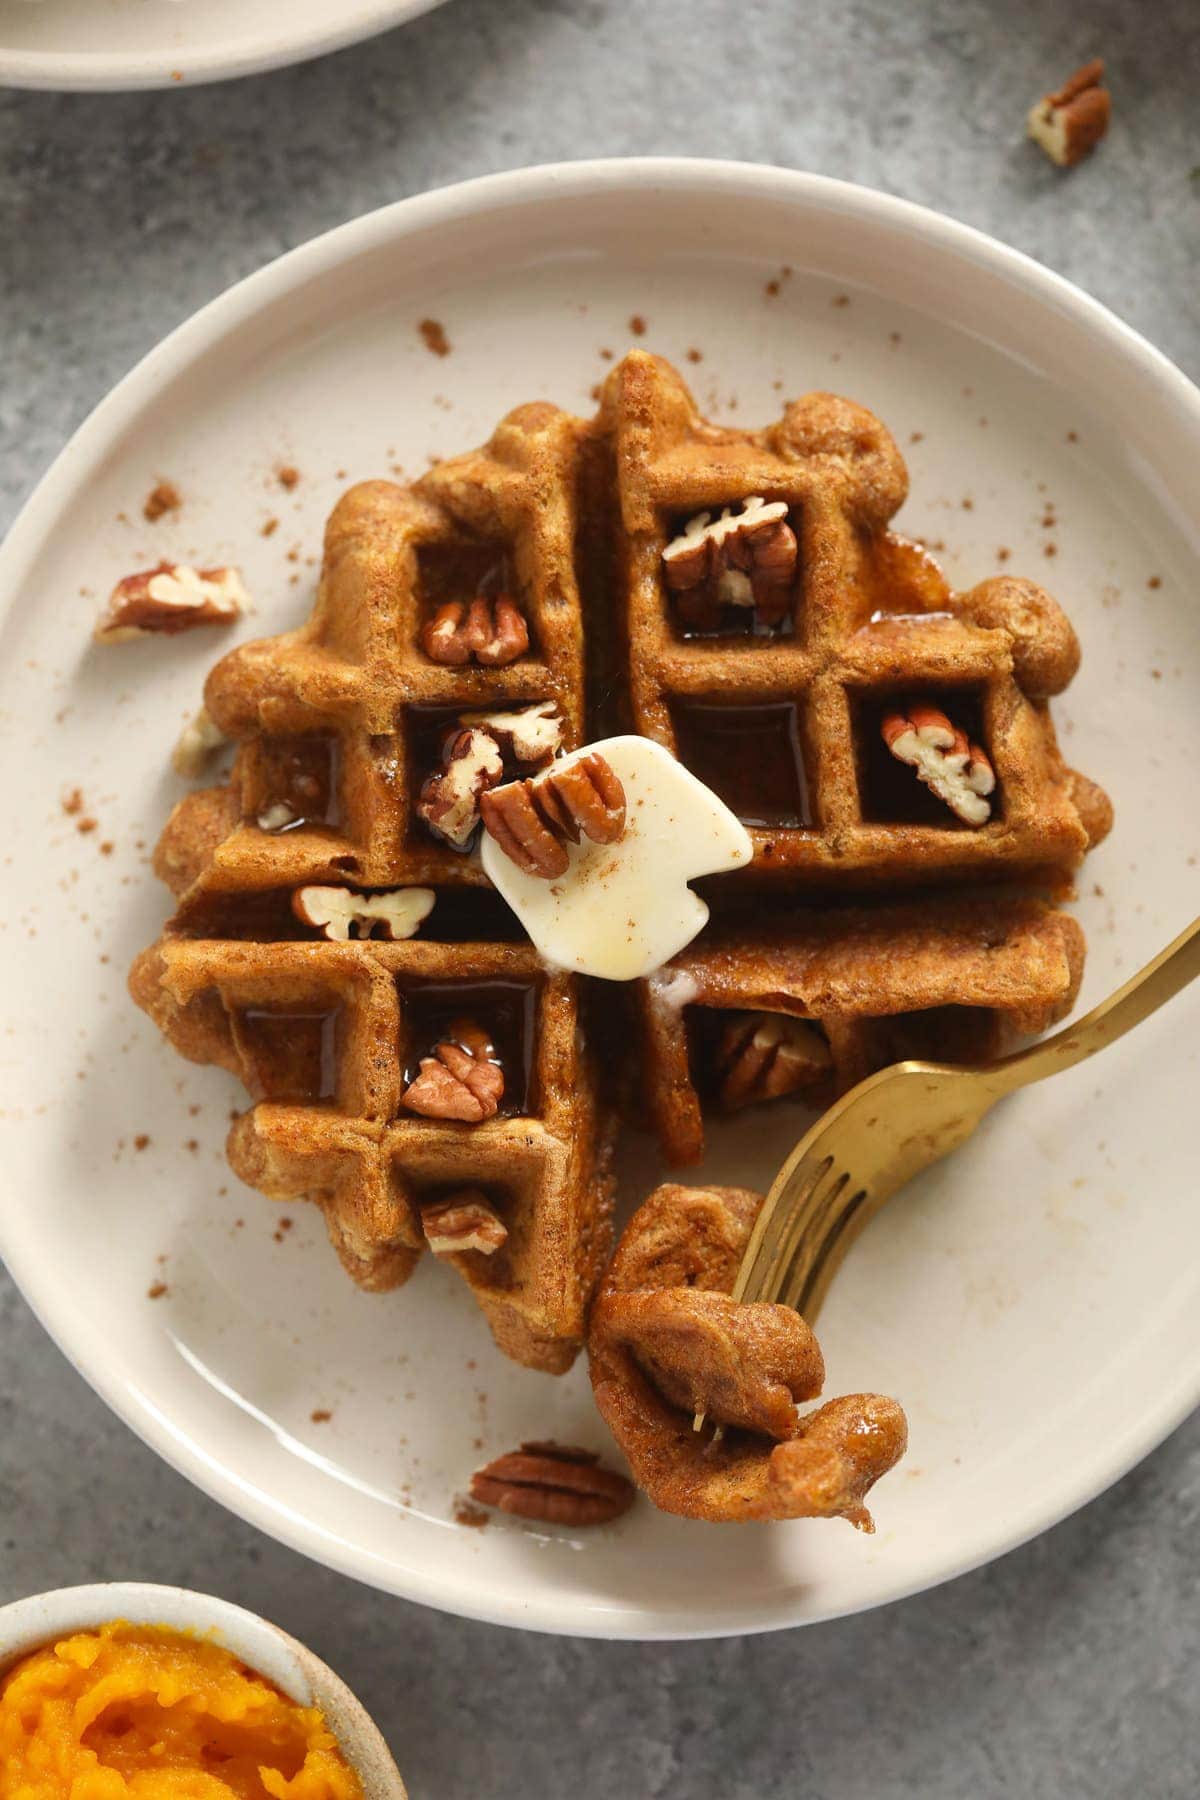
(773, 627)
(432, 1090)
(826, 997)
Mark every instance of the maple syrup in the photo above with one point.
(303, 773)
(750, 755)
(290, 1053)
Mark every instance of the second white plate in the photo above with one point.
(1032, 1303)
(120, 44)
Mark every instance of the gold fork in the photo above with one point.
(900, 1121)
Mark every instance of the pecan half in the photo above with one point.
(1069, 123)
(339, 912)
(463, 1222)
(554, 1484)
(745, 559)
(950, 766)
(488, 631)
(762, 1056)
(462, 1079)
(510, 816)
(530, 819)
(168, 598)
(449, 798)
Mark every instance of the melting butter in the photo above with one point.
(622, 910)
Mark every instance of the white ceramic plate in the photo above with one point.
(120, 44)
(1032, 1303)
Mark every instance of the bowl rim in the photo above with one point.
(459, 204)
(117, 72)
(30, 1624)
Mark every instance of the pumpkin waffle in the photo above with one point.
(830, 996)
(471, 593)
(771, 676)
(336, 725)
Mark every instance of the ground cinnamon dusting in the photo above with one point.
(73, 802)
(288, 476)
(163, 498)
(434, 336)
(156, 1290)
(320, 1415)
(141, 1141)
(268, 526)
(637, 325)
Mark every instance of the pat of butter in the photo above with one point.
(622, 910)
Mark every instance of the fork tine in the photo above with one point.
(819, 1256)
(808, 1223)
(766, 1262)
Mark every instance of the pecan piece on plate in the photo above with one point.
(462, 1079)
(491, 632)
(1069, 123)
(531, 819)
(464, 1221)
(762, 1056)
(950, 766)
(555, 1484)
(169, 598)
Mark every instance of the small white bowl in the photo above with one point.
(28, 1625)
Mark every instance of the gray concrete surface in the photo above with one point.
(1067, 1670)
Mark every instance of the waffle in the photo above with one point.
(867, 621)
(953, 979)
(665, 1341)
(336, 723)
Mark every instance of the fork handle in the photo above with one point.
(1142, 994)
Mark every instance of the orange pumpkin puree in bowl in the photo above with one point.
(139, 1712)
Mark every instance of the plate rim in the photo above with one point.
(121, 72)
(57, 490)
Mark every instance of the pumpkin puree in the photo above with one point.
(138, 1712)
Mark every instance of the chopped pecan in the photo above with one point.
(953, 768)
(168, 598)
(462, 1079)
(465, 1221)
(745, 559)
(489, 631)
(1069, 123)
(338, 910)
(554, 1484)
(529, 735)
(529, 819)
(762, 1056)
(449, 798)
(199, 740)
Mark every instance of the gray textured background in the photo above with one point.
(1068, 1669)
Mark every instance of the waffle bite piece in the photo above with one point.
(665, 1340)
(430, 1077)
(772, 627)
